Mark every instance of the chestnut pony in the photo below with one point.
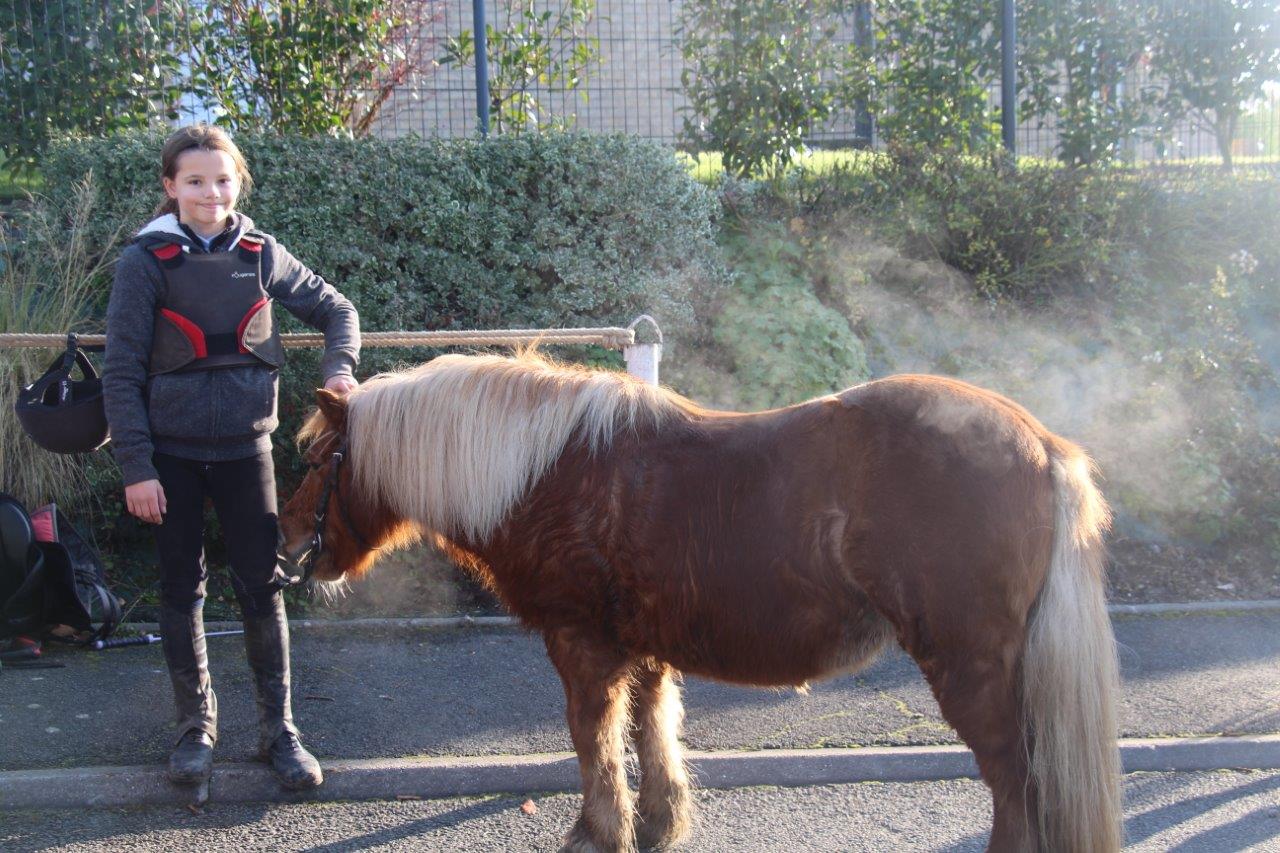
(642, 535)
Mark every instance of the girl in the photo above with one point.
(190, 383)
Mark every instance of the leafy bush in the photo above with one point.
(939, 59)
(82, 66)
(536, 232)
(781, 342)
(1132, 311)
(1076, 58)
(531, 232)
(760, 74)
(1026, 234)
(303, 66)
(1040, 232)
(1204, 356)
(533, 49)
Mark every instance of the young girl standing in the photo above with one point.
(190, 382)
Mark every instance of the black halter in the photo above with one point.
(321, 514)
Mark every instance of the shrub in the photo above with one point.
(782, 343)
(543, 231)
(533, 51)
(940, 60)
(760, 75)
(539, 231)
(1029, 233)
(84, 67)
(1076, 59)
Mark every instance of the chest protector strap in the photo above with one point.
(215, 311)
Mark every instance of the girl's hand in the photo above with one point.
(341, 383)
(145, 500)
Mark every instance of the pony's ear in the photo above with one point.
(333, 407)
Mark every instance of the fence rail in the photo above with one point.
(610, 337)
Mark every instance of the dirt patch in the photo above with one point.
(1145, 572)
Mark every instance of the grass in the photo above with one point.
(18, 186)
(707, 166)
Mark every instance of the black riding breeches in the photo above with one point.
(243, 492)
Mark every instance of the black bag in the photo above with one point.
(51, 581)
(21, 570)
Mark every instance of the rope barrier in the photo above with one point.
(611, 337)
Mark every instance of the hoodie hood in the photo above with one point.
(167, 225)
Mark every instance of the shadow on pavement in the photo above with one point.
(1146, 824)
(412, 829)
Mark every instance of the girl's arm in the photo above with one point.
(130, 325)
(318, 304)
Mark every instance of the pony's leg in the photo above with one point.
(597, 682)
(665, 807)
(977, 692)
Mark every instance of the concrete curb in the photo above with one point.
(426, 778)
(1225, 606)
(451, 622)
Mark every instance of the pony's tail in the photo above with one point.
(1070, 678)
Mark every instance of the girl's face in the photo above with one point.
(206, 186)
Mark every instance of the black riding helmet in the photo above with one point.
(61, 414)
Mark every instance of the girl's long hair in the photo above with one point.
(205, 137)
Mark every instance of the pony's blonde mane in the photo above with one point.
(455, 443)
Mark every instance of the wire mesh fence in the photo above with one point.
(616, 66)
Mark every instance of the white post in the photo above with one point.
(642, 359)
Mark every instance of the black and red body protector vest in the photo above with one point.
(215, 311)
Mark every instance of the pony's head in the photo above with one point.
(325, 521)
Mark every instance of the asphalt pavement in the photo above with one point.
(1202, 812)
(400, 706)
(486, 692)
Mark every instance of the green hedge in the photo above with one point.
(533, 231)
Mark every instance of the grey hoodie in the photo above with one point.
(208, 415)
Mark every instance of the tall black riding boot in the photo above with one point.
(266, 639)
(182, 638)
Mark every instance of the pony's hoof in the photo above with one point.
(579, 840)
(664, 826)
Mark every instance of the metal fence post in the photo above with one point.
(482, 66)
(1009, 76)
(863, 38)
